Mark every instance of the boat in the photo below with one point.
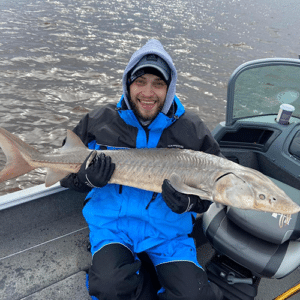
(257, 254)
(248, 254)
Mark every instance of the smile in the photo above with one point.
(148, 105)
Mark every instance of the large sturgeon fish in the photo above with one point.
(190, 172)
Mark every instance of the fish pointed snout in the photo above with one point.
(282, 204)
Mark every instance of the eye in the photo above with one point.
(262, 197)
(159, 84)
(140, 81)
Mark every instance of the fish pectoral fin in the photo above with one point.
(230, 189)
(54, 176)
(178, 184)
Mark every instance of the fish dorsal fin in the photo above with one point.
(72, 141)
(54, 176)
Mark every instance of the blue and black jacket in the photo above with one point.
(116, 126)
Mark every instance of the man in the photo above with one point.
(125, 221)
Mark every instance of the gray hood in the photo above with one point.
(152, 47)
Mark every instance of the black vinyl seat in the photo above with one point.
(258, 241)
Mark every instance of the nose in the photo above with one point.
(147, 90)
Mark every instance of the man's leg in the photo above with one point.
(115, 275)
(179, 272)
(184, 280)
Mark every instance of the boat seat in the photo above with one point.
(259, 241)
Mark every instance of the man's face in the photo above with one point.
(148, 94)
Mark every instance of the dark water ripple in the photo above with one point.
(60, 59)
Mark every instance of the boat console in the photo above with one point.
(253, 244)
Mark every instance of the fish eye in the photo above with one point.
(262, 197)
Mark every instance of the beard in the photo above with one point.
(145, 119)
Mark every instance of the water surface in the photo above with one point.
(60, 59)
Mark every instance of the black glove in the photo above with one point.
(98, 172)
(180, 203)
(72, 182)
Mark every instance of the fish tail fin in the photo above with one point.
(18, 156)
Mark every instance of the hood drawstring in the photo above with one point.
(152, 199)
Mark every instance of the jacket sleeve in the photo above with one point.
(206, 141)
(190, 132)
(209, 144)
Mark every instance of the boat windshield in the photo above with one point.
(261, 89)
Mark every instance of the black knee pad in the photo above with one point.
(208, 290)
(218, 294)
(185, 281)
(114, 273)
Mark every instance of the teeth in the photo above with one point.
(147, 102)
